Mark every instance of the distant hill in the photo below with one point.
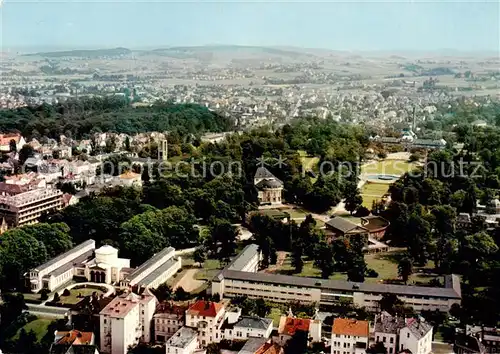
(85, 53)
(197, 51)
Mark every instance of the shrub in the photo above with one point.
(362, 211)
(414, 157)
(57, 298)
(44, 294)
(371, 273)
(66, 292)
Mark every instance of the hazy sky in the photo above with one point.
(360, 25)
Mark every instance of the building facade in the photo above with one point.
(125, 321)
(206, 318)
(184, 341)
(232, 282)
(168, 319)
(349, 336)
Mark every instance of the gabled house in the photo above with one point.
(349, 336)
(339, 227)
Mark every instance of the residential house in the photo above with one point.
(128, 179)
(260, 346)
(290, 324)
(73, 342)
(386, 330)
(207, 318)
(416, 336)
(350, 336)
(168, 319)
(183, 341)
(6, 138)
(244, 327)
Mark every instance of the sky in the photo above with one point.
(347, 25)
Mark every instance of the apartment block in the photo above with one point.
(238, 279)
(126, 321)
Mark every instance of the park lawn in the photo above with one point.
(275, 315)
(209, 270)
(39, 326)
(297, 213)
(375, 188)
(388, 167)
(385, 264)
(368, 200)
(73, 296)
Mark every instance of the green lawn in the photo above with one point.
(39, 326)
(275, 315)
(210, 268)
(73, 296)
(297, 213)
(368, 200)
(308, 162)
(388, 167)
(385, 264)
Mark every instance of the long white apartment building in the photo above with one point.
(239, 278)
(58, 270)
(155, 271)
(126, 321)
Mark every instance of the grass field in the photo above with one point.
(389, 167)
(210, 268)
(73, 297)
(373, 191)
(385, 264)
(39, 326)
(308, 162)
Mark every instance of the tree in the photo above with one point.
(352, 197)
(324, 259)
(163, 292)
(389, 303)
(223, 236)
(12, 145)
(55, 237)
(25, 152)
(405, 268)
(213, 348)
(180, 294)
(298, 343)
(57, 298)
(418, 238)
(127, 143)
(200, 255)
(19, 251)
(357, 271)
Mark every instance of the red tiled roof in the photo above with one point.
(204, 308)
(269, 348)
(347, 326)
(6, 138)
(75, 337)
(296, 324)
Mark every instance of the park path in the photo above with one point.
(188, 281)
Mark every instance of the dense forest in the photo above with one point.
(80, 118)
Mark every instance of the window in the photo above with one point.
(383, 339)
(407, 335)
(378, 339)
(104, 321)
(391, 340)
(390, 350)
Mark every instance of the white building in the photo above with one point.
(125, 321)
(416, 336)
(102, 265)
(241, 278)
(155, 271)
(243, 327)
(386, 330)
(128, 179)
(59, 270)
(349, 336)
(207, 318)
(184, 341)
